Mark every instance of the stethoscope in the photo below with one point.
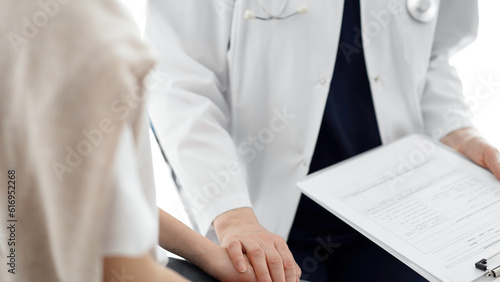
(421, 10)
(250, 15)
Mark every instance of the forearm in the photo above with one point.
(142, 268)
(181, 240)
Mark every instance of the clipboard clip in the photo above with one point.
(483, 265)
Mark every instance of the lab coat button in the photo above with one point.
(322, 80)
(305, 163)
(376, 78)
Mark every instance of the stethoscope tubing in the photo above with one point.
(420, 10)
(271, 16)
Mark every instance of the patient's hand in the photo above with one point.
(211, 258)
(217, 263)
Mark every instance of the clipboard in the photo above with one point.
(491, 269)
(395, 194)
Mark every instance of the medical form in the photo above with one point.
(428, 206)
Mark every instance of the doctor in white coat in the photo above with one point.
(244, 92)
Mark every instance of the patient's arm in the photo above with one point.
(214, 260)
(142, 268)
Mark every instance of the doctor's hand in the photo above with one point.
(216, 262)
(470, 143)
(240, 232)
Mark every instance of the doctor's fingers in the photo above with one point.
(276, 265)
(492, 160)
(235, 251)
(266, 261)
(292, 269)
(483, 154)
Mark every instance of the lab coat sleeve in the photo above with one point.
(189, 104)
(443, 104)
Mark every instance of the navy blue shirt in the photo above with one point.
(326, 248)
(349, 125)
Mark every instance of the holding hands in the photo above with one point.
(251, 246)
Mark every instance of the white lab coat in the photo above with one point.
(239, 124)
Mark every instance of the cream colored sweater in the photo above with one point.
(71, 82)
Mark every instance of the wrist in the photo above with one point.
(203, 253)
(459, 138)
(232, 218)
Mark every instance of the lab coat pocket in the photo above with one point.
(262, 49)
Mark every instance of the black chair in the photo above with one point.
(189, 270)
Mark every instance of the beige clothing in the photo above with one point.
(71, 113)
